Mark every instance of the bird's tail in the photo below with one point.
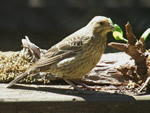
(17, 79)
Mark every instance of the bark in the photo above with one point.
(135, 49)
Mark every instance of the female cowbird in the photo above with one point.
(76, 55)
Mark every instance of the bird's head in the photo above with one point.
(101, 24)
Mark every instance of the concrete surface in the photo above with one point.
(61, 99)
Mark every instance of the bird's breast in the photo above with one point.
(85, 61)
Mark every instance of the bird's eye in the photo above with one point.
(101, 23)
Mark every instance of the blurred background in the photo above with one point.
(46, 22)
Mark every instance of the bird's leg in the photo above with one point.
(73, 85)
(145, 84)
(86, 86)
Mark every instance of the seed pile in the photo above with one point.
(13, 64)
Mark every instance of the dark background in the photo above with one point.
(46, 22)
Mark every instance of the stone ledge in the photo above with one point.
(61, 99)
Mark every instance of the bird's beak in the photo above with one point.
(111, 27)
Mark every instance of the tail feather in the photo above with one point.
(17, 79)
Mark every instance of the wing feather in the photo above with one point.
(60, 51)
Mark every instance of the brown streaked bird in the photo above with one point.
(76, 55)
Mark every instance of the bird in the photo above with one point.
(76, 55)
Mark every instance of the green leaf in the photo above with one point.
(117, 28)
(146, 34)
(118, 33)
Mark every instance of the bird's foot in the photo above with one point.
(86, 87)
(74, 86)
(90, 88)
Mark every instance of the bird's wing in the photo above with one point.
(64, 49)
(60, 51)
